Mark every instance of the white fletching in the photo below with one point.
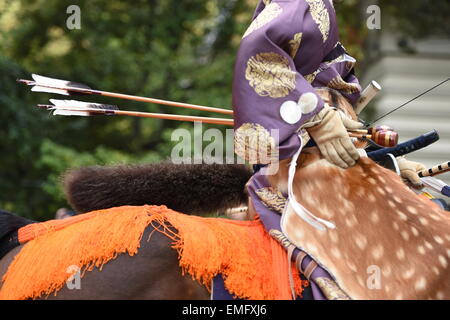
(63, 112)
(46, 81)
(58, 86)
(69, 103)
(79, 108)
(50, 90)
(75, 104)
(66, 108)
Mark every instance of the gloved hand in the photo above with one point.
(332, 138)
(409, 170)
(349, 123)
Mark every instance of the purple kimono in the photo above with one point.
(290, 48)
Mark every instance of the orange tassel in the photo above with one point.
(253, 265)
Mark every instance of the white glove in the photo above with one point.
(409, 170)
(349, 123)
(331, 137)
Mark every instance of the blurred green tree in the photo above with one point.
(168, 49)
(418, 18)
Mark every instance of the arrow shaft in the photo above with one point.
(223, 121)
(95, 111)
(163, 102)
(439, 169)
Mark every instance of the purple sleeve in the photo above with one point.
(271, 99)
(260, 7)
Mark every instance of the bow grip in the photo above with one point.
(406, 147)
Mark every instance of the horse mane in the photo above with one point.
(10, 223)
(9, 226)
(188, 188)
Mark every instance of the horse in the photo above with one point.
(155, 276)
(375, 197)
(156, 271)
(152, 269)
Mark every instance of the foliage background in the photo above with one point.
(168, 49)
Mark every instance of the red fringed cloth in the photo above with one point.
(253, 265)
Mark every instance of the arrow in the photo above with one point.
(436, 185)
(64, 87)
(80, 108)
(439, 169)
(86, 109)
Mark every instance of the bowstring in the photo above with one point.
(404, 104)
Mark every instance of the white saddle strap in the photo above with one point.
(301, 211)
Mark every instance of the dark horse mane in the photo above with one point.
(189, 188)
(9, 224)
(199, 189)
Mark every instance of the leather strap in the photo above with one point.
(310, 269)
(299, 260)
(291, 277)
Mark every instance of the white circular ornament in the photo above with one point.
(290, 112)
(308, 102)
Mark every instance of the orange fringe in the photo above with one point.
(253, 265)
(32, 231)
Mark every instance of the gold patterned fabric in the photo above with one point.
(270, 12)
(320, 15)
(331, 290)
(311, 77)
(253, 143)
(272, 199)
(271, 62)
(350, 63)
(339, 84)
(295, 44)
(281, 238)
(270, 74)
